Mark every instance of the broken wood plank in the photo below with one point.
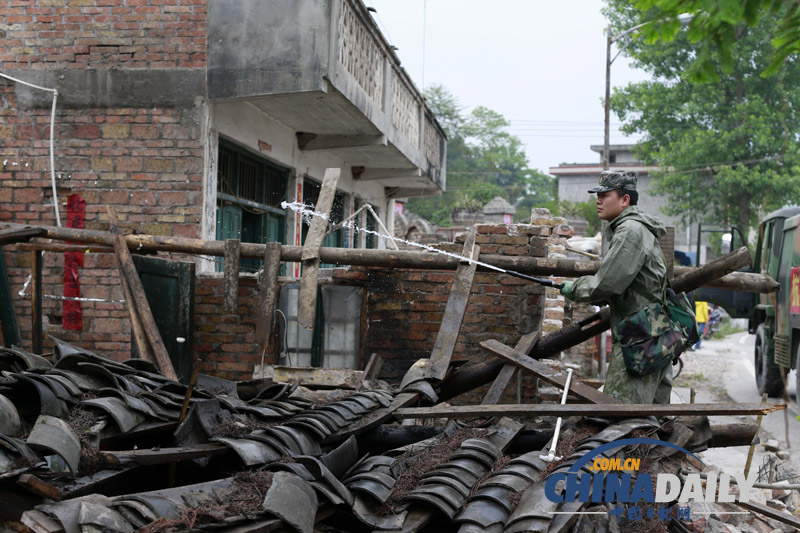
(139, 336)
(786, 518)
(610, 410)
(162, 455)
(546, 373)
(231, 276)
(12, 235)
(498, 388)
(268, 290)
(374, 418)
(373, 367)
(39, 487)
(450, 326)
(310, 257)
(128, 270)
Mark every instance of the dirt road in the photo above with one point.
(722, 371)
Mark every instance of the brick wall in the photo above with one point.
(404, 309)
(406, 306)
(101, 34)
(128, 134)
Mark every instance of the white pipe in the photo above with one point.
(52, 133)
(551, 455)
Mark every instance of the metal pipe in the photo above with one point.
(551, 455)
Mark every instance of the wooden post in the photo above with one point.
(36, 301)
(525, 346)
(447, 336)
(142, 345)
(306, 312)
(667, 244)
(546, 373)
(231, 276)
(268, 288)
(128, 270)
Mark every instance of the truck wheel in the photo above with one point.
(768, 377)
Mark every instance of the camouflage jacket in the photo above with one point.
(633, 272)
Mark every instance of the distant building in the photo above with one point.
(575, 179)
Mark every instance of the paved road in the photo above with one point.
(722, 370)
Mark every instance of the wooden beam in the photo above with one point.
(61, 247)
(231, 276)
(609, 410)
(311, 248)
(153, 456)
(373, 367)
(12, 235)
(36, 301)
(39, 487)
(737, 281)
(128, 270)
(546, 373)
(268, 291)
(498, 388)
(597, 323)
(388, 258)
(780, 516)
(139, 336)
(450, 326)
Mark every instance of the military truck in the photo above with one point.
(774, 318)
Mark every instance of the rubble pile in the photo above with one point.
(91, 444)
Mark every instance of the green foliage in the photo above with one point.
(715, 27)
(483, 161)
(726, 148)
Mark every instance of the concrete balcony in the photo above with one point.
(322, 68)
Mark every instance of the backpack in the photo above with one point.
(657, 334)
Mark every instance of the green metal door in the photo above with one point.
(169, 287)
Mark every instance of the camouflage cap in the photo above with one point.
(616, 179)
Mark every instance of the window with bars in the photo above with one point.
(249, 192)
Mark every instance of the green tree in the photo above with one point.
(483, 161)
(715, 27)
(726, 148)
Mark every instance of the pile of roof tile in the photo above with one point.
(254, 456)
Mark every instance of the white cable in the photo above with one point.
(52, 129)
(391, 239)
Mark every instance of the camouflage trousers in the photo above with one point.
(622, 385)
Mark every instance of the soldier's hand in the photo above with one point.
(566, 290)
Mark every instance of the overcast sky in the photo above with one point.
(539, 63)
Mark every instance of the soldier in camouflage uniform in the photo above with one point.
(633, 274)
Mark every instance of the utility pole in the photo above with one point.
(607, 102)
